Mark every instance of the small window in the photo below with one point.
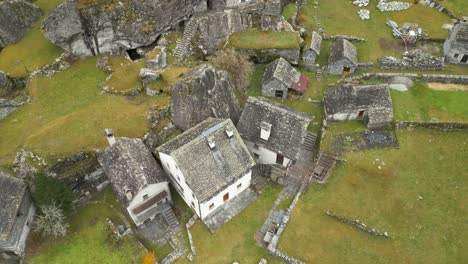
(256, 156)
(256, 146)
(145, 197)
(193, 205)
(211, 206)
(456, 55)
(239, 186)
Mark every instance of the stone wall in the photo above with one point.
(414, 60)
(438, 78)
(347, 37)
(440, 126)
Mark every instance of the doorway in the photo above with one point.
(346, 71)
(226, 197)
(464, 59)
(279, 159)
(134, 55)
(360, 114)
(279, 94)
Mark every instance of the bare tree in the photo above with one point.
(51, 222)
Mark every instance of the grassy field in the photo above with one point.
(126, 74)
(418, 196)
(256, 39)
(235, 240)
(421, 103)
(459, 7)
(289, 10)
(90, 240)
(34, 50)
(68, 112)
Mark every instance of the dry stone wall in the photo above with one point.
(438, 78)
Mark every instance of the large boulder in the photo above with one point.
(203, 92)
(17, 17)
(92, 27)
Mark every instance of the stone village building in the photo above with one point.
(343, 58)
(274, 133)
(371, 103)
(282, 79)
(311, 53)
(209, 165)
(136, 178)
(456, 46)
(16, 215)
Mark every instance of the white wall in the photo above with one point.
(233, 191)
(345, 116)
(266, 156)
(150, 190)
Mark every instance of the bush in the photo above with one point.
(49, 191)
(51, 222)
(236, 64)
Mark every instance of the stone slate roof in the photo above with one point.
(348, 98)
(315, 42)
(462, 33)
(288, 126)
(209, 171)
(281, 70)
(12, 191)
(343, 50)
(458, 38)
(130, 166)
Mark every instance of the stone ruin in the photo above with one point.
(383, 5)
(413, 60)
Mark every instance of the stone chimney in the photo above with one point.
(109, 134)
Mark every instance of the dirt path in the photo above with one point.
(447, 87)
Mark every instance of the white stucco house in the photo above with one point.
(208, 164)
(274, 133)
(136, 178)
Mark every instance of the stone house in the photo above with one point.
(311, 53)
(274, 133)
(281, 79)
(16, 216)
(370, 103)
(343, 58)
(456, 46)
(136, 178)
(208, 164)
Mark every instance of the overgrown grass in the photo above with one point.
(420, 103)
(289, 10)
(256, 39)
(34, 50)
(340, 128)
(459, 7)
(235, 241)
(68, 113)
(418, 196)
(126, 74)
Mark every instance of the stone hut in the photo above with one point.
(311, 53)
(16, 215)
(209, 165)
(343, 58)
(136, 178)
(274, 133)
(370, 103)
(281, 78)
(456, 46)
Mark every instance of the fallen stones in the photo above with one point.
(413, 60)
(361, 3)
(148, 75)
(383, 5)
(159, 62)
(364, 14)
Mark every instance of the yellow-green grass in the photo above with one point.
(420, 103)
(126, 74)
(256, 39)
(68, 112)
(89, 238)
(235, 241)
(418, 196)
(459, 7)
(34, 50)
(289, 10)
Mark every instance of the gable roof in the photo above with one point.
(458, 38)
(12, 191)
(315, 42)
(282, 71)
(208, 171)
(343, 50)
(288, 126)
(130, 166)
(350, 98)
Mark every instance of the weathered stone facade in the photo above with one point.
(310, 54)
(343, 58)
(456, 46)
(17, 17)
(414, 60)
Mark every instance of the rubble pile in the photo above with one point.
(364, 14)
(361, 3)
(383, 5)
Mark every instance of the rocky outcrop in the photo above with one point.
(203, 92)
(92, 27)
(413, 60)
(12, 94)
(17, 17)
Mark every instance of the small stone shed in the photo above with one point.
(343, 58)
(370, 103)
(281, 79)
(456, 46)
(311, 53)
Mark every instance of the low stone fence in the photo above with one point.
(358, 224)
(438, 78)
(414, 60)
(347, 37)
(440, 126)
(189, 225)
(278, 254)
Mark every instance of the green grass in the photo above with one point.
(433, 229)
(340, 128)
(459, 7)
(67, 115)
(421, 103)
(235, 240)
(126, 74)
(289, 10)
(256, 39)
(34, 50)
(88, 241)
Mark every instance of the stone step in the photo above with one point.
(171, 218)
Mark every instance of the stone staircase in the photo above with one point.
(277, 172)
(323, 166)
(319, 73)
(183, 44)
(170, 218)
(310, 141)
(259, 182)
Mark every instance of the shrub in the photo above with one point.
(51, 222)
(49, 191)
